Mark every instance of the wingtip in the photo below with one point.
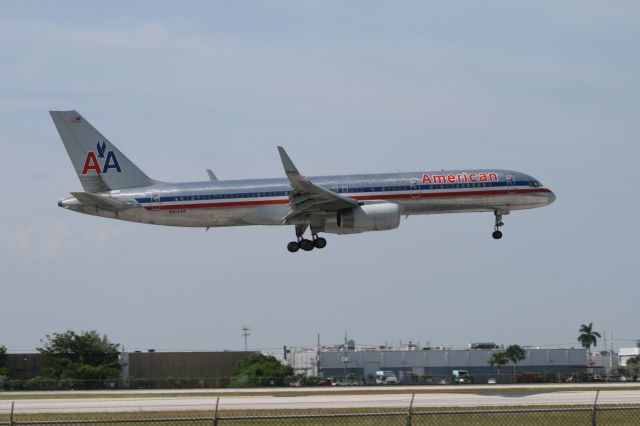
(283, 154)
(289, 168)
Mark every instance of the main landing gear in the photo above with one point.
(303, 243)
(497, 234)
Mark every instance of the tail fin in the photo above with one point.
(99, 164)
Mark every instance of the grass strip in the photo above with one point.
(425, 416)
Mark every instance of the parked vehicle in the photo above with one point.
(461, 376)
(386, 378)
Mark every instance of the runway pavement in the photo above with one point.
(501, 398)
(342, 389)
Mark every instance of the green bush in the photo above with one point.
(427, 378)
(79, 361)
(582, 375)
(549, 376)
(261, 370)
(310, 380)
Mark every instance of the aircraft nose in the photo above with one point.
(551, 197)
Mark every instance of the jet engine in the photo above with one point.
(369, 217)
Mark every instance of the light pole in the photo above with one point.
(246, 334)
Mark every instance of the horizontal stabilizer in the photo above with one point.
(90, 199)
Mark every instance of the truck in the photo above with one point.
(386, 378)
(461, 376)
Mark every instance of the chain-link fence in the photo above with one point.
(520, 416)
(401, 410)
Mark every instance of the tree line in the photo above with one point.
(88, 360)
(71, 360)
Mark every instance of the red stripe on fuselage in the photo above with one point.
(356, 197)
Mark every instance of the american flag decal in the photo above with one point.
(74, 120)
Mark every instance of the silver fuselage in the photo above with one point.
(265, 201)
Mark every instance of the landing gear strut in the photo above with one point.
(303, 243)
(497, 234)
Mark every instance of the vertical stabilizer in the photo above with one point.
(99, 164)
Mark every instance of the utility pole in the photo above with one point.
(345, 358)
(246, 334)
(611, 350)
(318, 356)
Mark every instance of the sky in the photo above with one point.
(547, 88)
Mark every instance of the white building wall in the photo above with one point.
(626, 353)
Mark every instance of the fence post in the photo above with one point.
(215, 413)
(593, 411)
(410, 412)
(11, 414)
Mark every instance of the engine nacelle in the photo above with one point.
(369, 217)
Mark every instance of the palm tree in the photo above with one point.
(514, 353)
(498, 359)
(587, 337)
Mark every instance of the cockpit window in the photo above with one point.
(535, 183)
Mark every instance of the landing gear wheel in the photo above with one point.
(320, 243)
(496, 228)
(307, 245)
(293, 246)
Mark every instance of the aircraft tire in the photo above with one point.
(496, 235)
(306, 245)
(320, 243)
(293, 246)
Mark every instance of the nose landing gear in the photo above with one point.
(497, 234)
(303, 243)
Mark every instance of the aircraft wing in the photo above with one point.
(212, 176)
(308, 197)
(90, 199)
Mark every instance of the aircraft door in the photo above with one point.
(155, 202)
(511, 184)
(414, 187)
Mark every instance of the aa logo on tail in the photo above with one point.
(91, 161)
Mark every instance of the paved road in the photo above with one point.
(266, 402)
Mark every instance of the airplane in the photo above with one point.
(114, 187)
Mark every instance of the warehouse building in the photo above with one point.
(179, 369)
(153, 369)
(413, 364)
